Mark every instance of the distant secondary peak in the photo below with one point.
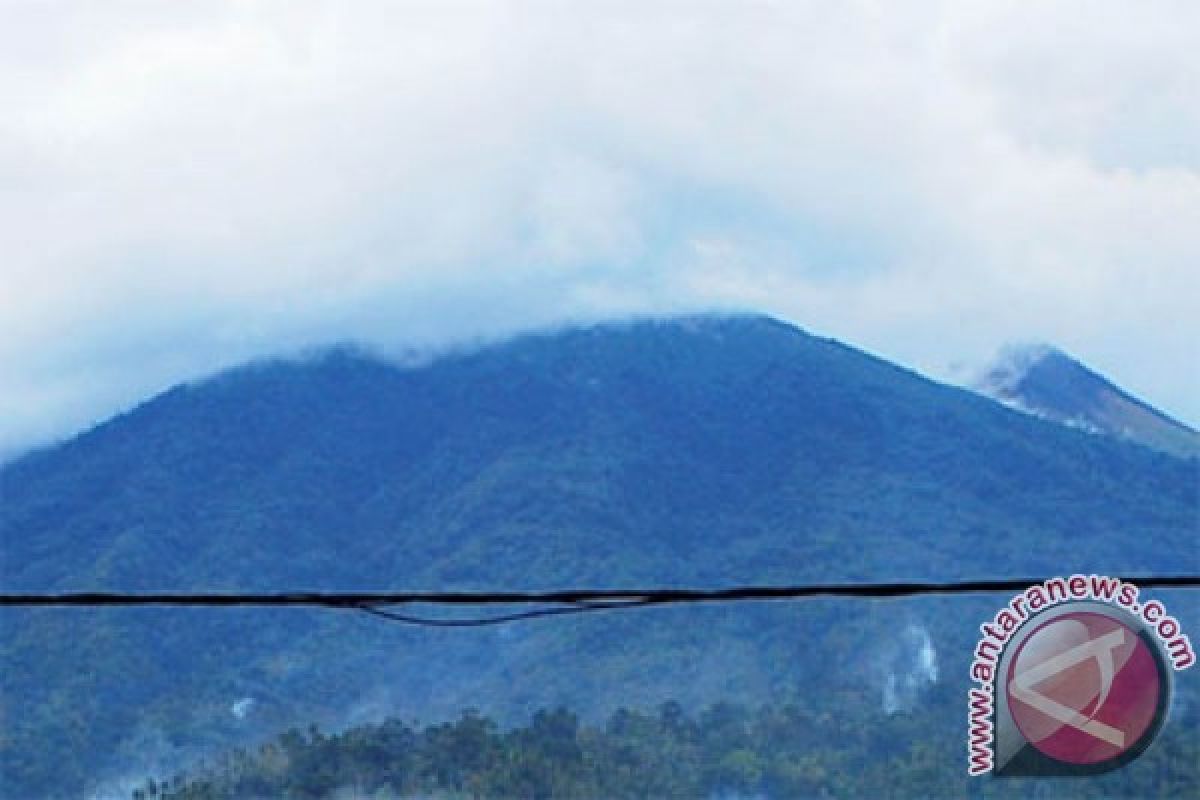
(1042, 380)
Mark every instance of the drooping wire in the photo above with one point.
(516, 616)
(551, 603)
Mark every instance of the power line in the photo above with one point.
(551, 602)
(518, 616)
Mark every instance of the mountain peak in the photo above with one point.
(1012, 364)
(1042, 380)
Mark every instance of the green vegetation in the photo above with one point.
(724, 751)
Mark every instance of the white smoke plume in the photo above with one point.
(909, 664)
(242, 707)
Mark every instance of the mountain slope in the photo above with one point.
(707, 450)
(610, 451)
(1045, 381)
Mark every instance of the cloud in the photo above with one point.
(189, 185)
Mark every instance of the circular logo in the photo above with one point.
(1087, 689)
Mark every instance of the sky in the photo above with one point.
(185, 186)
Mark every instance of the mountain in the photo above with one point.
(1045, 381)
(709, 450)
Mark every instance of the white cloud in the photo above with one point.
(188, 185)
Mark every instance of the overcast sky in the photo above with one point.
(184, 186)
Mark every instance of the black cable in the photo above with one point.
(479, 622)
(560, 602)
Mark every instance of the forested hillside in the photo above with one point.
(776, 751)
(701, 451)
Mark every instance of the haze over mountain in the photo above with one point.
(708, 450)
(1042, 380)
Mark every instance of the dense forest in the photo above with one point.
(723, 751)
